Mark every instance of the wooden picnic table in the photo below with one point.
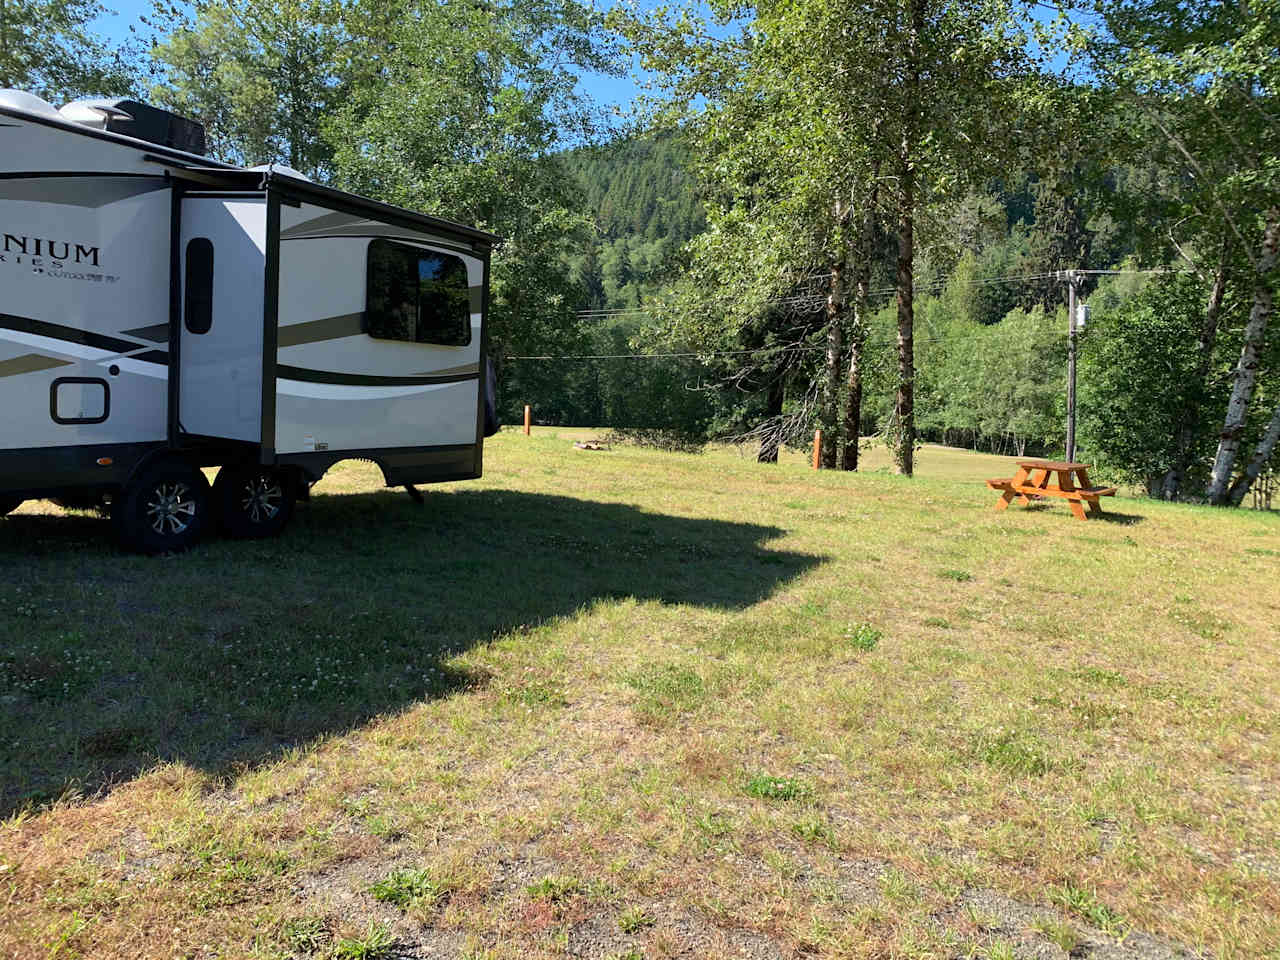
(1033, 481)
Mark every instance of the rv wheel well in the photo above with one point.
(398, 466)
(314, 471)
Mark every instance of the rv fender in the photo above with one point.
(301, 484)
(298, 481)
(152, 456)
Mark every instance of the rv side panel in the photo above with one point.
(340, 387)
(84, 263)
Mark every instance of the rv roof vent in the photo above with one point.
(27, 102)
(94, 115)
(281, 169)
(140, 121)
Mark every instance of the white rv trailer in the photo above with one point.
(162, 312)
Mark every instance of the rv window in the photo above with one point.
(417, 295)
(198, 308)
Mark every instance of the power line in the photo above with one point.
(924, 285)
(814, 348)
(709, 354)
(673, 356)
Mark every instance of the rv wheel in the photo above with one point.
(165, 508)
(9, 504)
(253, 501)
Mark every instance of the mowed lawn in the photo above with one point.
(631, 704)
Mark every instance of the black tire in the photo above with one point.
(10, 504)
(253, 501)
(165, 508)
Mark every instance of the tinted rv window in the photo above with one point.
(417, 295)
(198, 306)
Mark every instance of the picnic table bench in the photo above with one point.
(1032, 481)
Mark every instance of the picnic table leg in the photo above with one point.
(1095, 505)
(1032, 480)
(1005, 499)
(1067, 485)
(1019, 479)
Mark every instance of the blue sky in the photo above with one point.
(608, 91)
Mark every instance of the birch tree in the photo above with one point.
(1205, 79)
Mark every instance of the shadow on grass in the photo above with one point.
(1042, 506)
(227, 655)
(1124, 519)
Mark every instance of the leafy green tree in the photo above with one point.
(995, 384)
(1021, 362)
(464, 116)
(47, 47)
(261, 75)
(1140, 372)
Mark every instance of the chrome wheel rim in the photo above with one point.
(260, 499)
(171, 508)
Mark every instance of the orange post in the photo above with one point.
(527, 420)
(817, 449)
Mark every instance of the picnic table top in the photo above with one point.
(1053, 465)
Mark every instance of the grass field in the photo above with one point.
(628, 704)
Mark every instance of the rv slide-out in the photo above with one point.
(161, 312)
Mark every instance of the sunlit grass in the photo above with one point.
(623, 703)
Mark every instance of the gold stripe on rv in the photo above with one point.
(29, 363)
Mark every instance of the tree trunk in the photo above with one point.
(768, 452)
(853, 413)
(830, 414)
(1185, 428)
(1261, 455)
(904, 447)
(904, 407)
(858, 328)
(1246, 378)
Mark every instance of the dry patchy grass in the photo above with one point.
(627, 704)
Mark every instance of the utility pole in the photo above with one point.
(1072, 280)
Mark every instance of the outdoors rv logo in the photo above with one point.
(52, 258)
